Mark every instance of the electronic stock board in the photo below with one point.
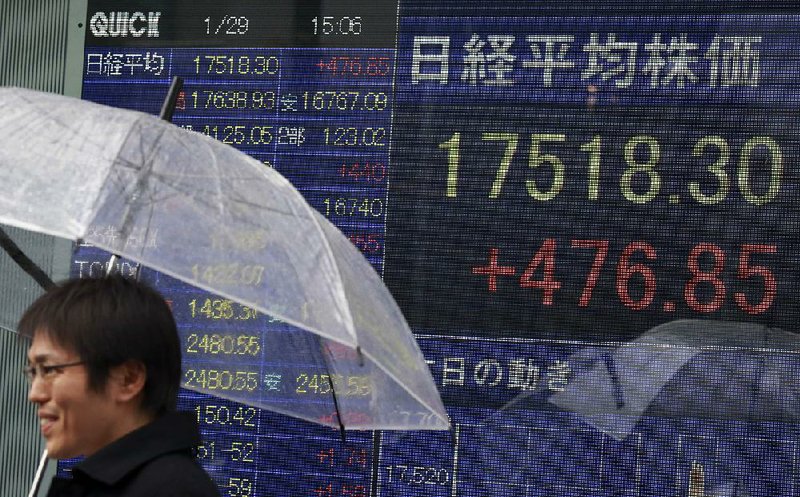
(529, 178)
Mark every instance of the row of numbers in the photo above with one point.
(228, 100)
(353, 207)
(244, 65)
(236, 451)
(217, 344)
(229, 274)
(366, 172)
(262, 135)
(344, 100)
(356, 137)
(317, 101)
(323, 384)
(417, 475)
(221, 380)
(640, 181)
(221, 309)
(220, 415)
(355, 66)
(305, 383)
(236, 134)
(370, 243)
(269, 65)
(705, 291)
(340, 490)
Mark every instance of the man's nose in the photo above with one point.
(38, 393)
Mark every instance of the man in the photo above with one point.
(104, 366)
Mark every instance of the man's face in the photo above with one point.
(74, 420)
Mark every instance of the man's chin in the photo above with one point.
(57, 451)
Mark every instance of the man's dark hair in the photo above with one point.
(108, 321)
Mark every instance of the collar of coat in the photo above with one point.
(172, 432)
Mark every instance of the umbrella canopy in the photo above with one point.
(687, 368)
(200, 211)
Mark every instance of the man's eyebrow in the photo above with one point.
(40, 358)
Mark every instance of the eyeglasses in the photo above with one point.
(46, 371)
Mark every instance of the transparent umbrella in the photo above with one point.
(204, 213)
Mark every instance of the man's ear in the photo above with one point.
(127, 380)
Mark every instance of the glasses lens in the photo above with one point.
(46, 372)
(29, 372)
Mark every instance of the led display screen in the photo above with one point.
(540, 185)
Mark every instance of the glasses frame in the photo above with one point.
(46, 372)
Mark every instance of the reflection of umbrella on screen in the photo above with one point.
(687, 368)
(208, 215)
(589, 437)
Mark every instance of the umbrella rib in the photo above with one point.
(123, 163)
(217, 177)
(200, 198)
(98, 199)
(147, 225)
(217, 181)
(66, 127)
(619, 395)
(143, 173)
(335, 265)
(151, 208)
(404, 386)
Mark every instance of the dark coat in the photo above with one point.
(153, 461)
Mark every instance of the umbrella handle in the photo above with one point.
(37, 479)
(168, 107)
(24, 261)
(338, 412)
(113, 260)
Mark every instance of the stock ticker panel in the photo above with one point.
(530, 178)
